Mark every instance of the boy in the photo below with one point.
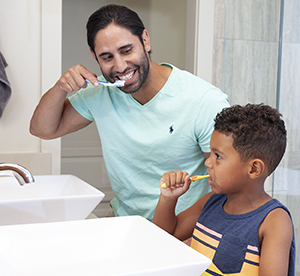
(238, 225)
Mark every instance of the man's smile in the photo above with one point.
(126, 76)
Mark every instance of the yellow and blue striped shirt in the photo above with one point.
(231, 241)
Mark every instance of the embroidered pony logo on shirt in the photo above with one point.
(171, 129)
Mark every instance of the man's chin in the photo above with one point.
(125, 91)
(129, 89)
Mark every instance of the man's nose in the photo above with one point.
(120, 64)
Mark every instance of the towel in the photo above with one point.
(5, 89)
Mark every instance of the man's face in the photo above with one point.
(121, 56)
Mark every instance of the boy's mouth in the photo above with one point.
(211, 180)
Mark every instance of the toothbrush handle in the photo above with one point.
(193, 178)
(197, 177)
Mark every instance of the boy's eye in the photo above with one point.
(218, 156)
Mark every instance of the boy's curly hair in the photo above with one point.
(257, 131)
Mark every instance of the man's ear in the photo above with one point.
(146, 41)
(92, 52)
(257, 168)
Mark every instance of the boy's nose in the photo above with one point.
(207, 162)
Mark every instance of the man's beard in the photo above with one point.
(142, 71)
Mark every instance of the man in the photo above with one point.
(148, 126)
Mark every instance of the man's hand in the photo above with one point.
(75, 78)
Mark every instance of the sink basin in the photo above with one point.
(103, 246)
(50, 198)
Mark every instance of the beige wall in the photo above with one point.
(30, 42)
(20, 42)
(166, 22)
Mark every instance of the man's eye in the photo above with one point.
(218, 156)
(126, 51)
(107, 58)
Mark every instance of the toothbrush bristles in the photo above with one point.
(119, 83)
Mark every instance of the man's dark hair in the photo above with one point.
(119, 15)
(257, 131)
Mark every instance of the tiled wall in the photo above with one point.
(287, 178)
(290, 78)
(246, 48)
(246, 55)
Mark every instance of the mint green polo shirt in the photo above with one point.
(141, 142)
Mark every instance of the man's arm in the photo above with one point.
(54, 116)
(206, 154)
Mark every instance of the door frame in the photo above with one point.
(200, 38)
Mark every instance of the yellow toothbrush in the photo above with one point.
(193, 178)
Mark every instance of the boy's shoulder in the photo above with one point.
(278, 219)
(277, 242)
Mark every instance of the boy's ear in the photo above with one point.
(257, 168)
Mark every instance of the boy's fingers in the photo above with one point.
(174, 179)
(179, 178)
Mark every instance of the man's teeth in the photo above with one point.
(127, 76)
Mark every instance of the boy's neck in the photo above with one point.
(245, 203)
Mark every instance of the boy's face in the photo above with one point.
(121, 55)
(227, 171)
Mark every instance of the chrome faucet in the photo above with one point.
(19, 172)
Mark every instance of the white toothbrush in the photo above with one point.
(117, 83)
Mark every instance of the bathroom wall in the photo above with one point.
(246, 48)
(22, 25)
(246, 45)
(287, 177)
(22, 52)
(250, 66)
(81, 151)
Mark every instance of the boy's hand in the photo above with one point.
(177, 183)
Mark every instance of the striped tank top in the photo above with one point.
(231, 241)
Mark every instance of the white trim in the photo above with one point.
(205, 38)
(51, 65)
(192, 17)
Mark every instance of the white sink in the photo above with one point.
(50, 198)
(105, 246)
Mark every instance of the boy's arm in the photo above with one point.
(164, 215)
(276, 233)
(177, 183)
(180, 226)
(186, 220)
